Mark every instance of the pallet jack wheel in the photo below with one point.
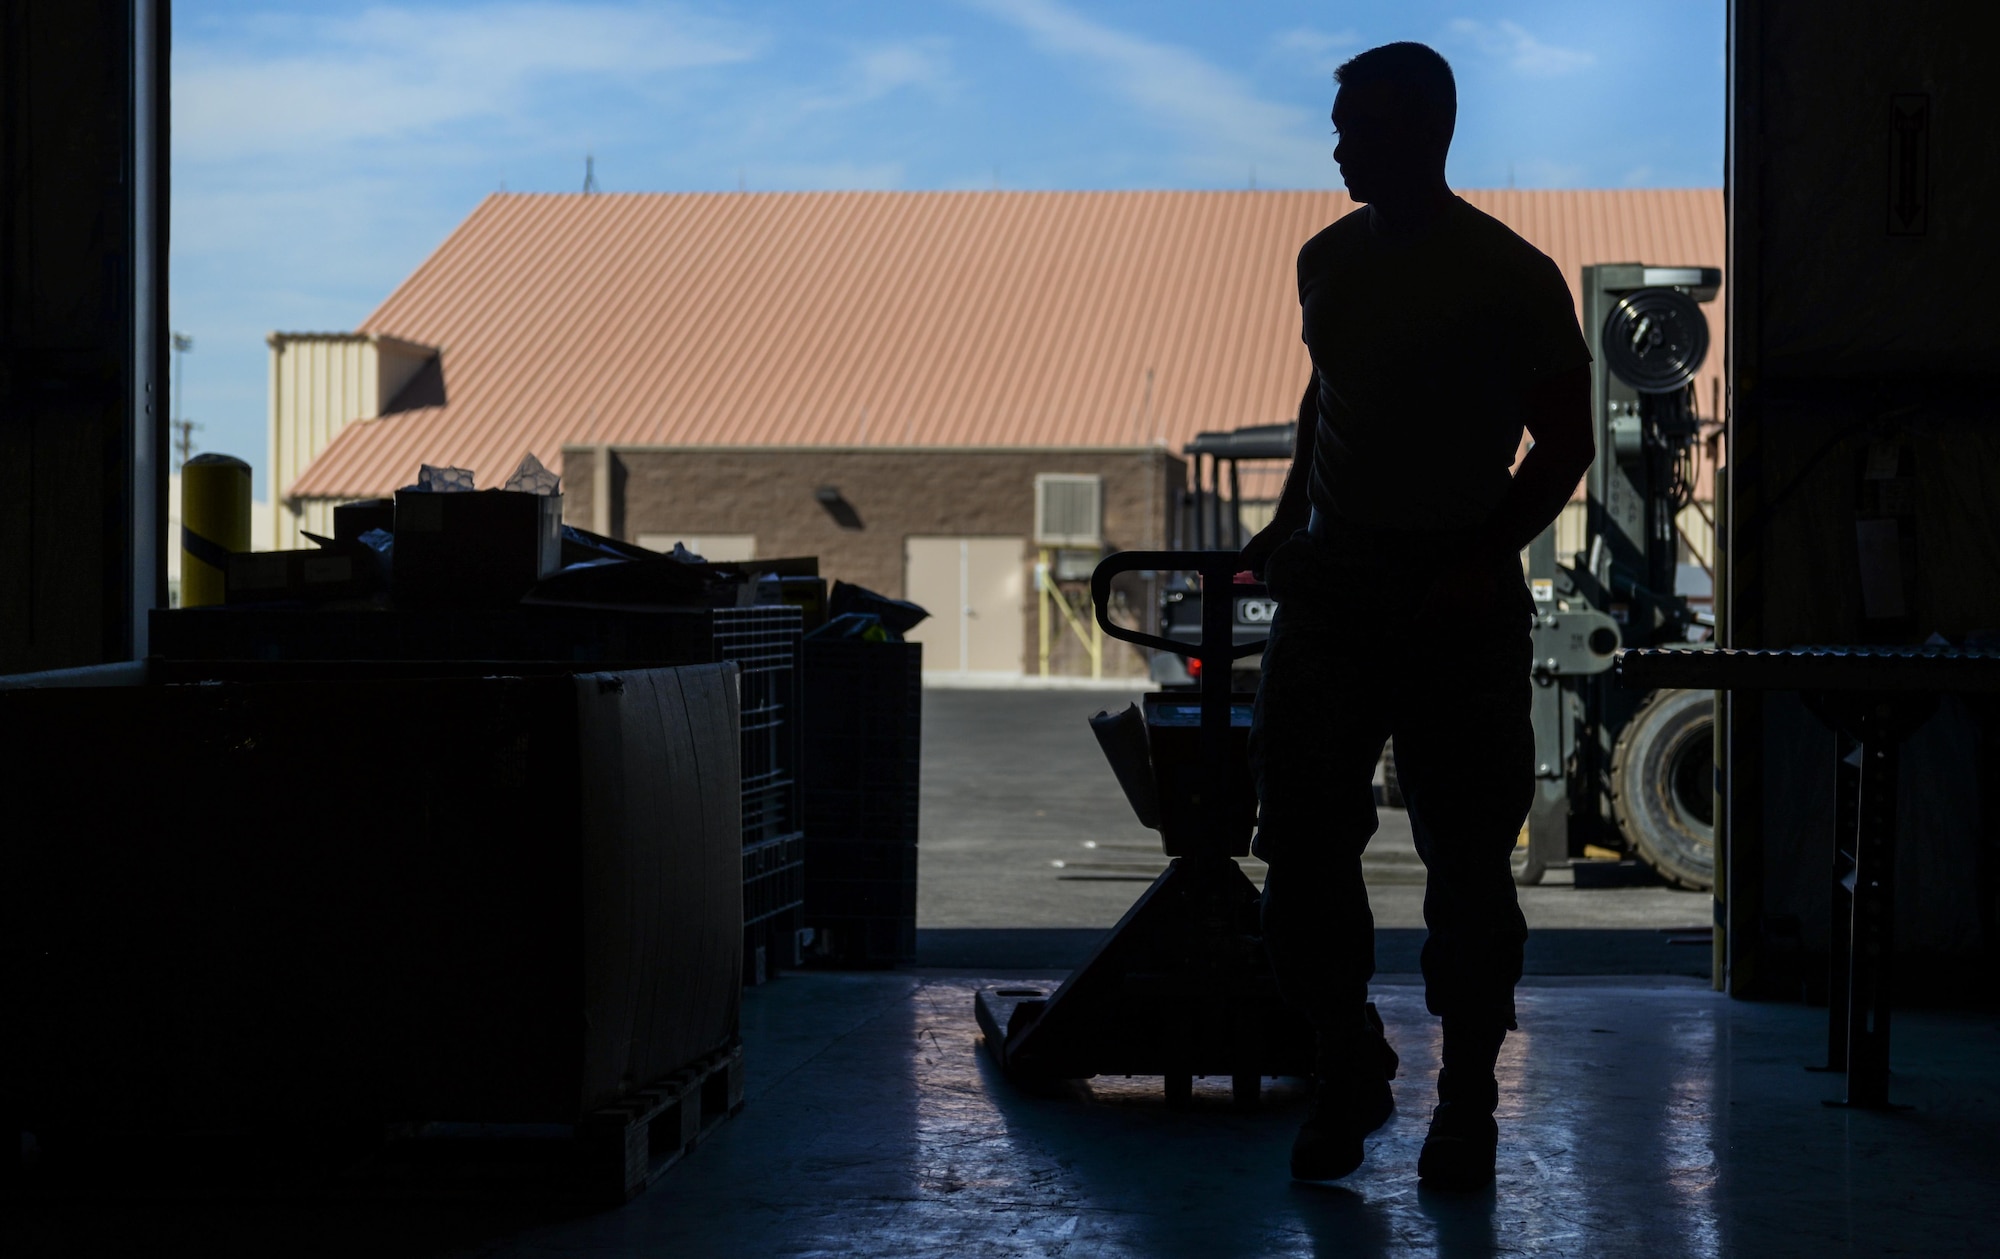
(1246, 1090)
(1180, 1090)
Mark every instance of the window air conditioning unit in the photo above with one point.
(1069, 510)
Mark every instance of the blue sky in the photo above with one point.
(322, 149)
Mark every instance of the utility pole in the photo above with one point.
(182, 343)
(184, 441)
(183, 429)
(590, 173)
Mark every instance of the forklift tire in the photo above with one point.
(1663, 784)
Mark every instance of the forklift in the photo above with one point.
(1615, 771)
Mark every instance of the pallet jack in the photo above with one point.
(1181, 987)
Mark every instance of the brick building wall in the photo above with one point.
(894, 494)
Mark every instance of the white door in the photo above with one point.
(976, 592)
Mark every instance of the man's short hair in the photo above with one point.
(1416, 67)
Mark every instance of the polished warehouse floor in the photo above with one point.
(1643, 1117)
(1655, 1119)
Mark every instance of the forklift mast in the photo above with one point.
(1647, 337)
(1214, 458)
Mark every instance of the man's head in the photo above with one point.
(1394, 112)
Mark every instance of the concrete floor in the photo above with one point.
(1014, 783)
(1640, 1118)
(1647, 1120)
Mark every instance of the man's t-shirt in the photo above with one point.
(1421, 342)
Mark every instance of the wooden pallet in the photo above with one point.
(627, 1146)
(609, 1157)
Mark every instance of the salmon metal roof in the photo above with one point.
(1039, 319)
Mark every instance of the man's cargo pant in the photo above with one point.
(1353, 660)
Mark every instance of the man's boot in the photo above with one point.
(1463, 1145)
(1351, 1099)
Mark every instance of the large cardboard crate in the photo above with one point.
(762, 641)
(493, 899)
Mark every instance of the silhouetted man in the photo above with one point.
(1436, 335)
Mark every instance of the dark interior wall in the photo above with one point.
(1864, 355)
(1855, 321)
(83, 233)
(1860, 275)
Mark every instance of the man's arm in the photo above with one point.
(1293, 505)
(1556, 411)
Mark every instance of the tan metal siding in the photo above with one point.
(321, 383)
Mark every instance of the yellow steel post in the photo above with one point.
(1069, 614)
(215, 520)
(1042, 606)
(1096, 645)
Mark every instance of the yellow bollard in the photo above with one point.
(215, 520)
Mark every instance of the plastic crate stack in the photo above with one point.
(864, 713)
(764, 642)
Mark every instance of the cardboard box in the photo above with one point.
(483, 548)
(339, 572)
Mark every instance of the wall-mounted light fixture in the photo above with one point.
(837, 506)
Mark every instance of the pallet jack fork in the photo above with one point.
(1181, 986)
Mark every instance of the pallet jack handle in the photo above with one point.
(1216, 650)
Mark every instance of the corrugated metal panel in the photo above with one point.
(320, 383)
(883, 318)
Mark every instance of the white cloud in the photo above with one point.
(878, 70)
(389, 72)
(1509, 42)
(1228, 127)
(827, 176)
(912, 63)
(1324, 50)
(1544, 172)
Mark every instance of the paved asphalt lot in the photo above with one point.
(1014, 783)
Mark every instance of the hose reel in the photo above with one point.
(1655, 340)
